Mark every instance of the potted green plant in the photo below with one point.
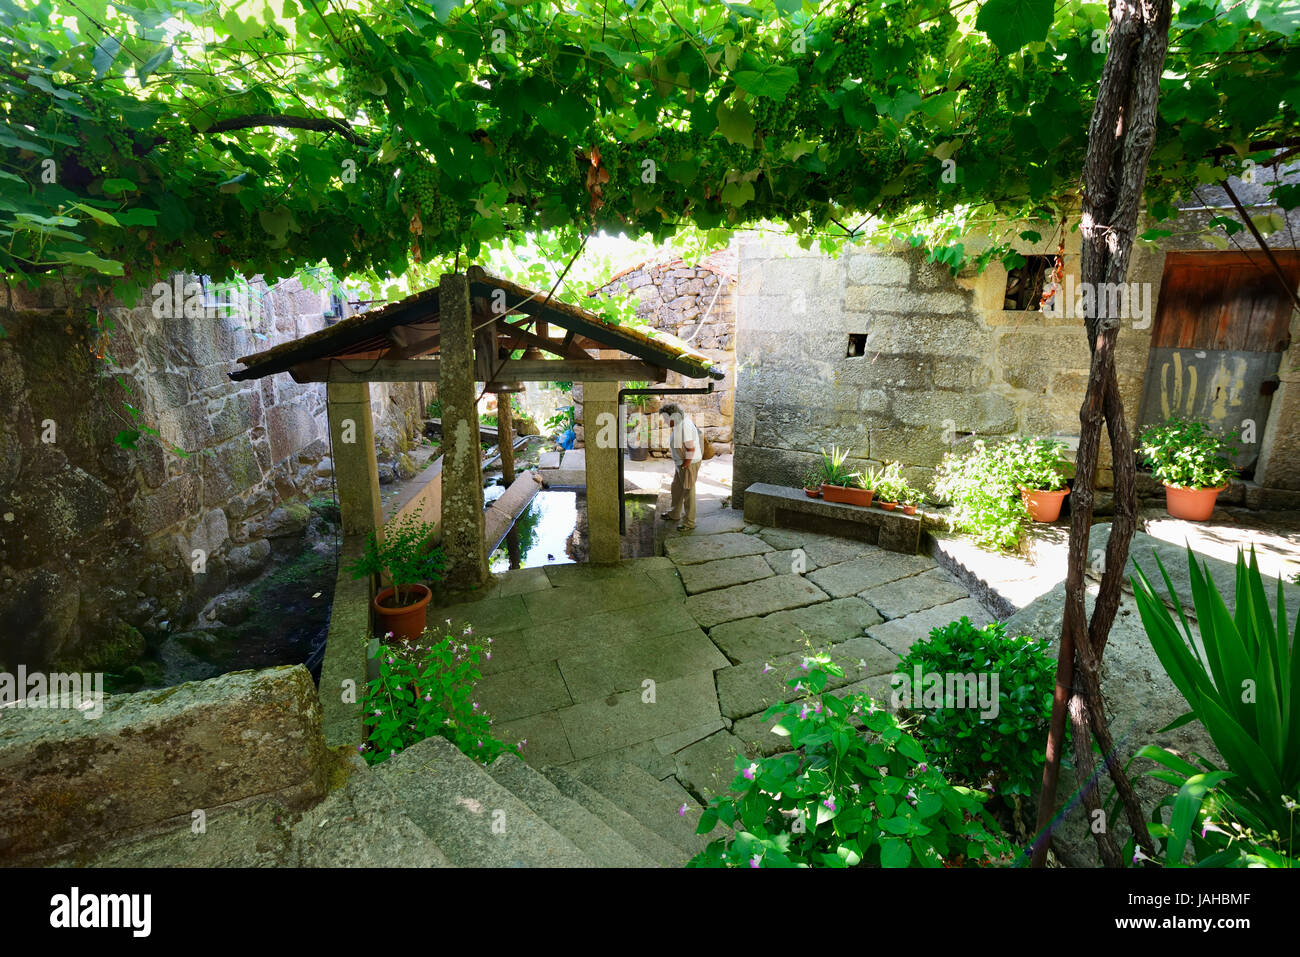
(890, 486)
(836, 479)
(404, 560)
(812, 482)
(1040, 471)
(911, 498)
(1193, 463)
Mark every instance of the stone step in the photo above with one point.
(589, 833)
(363, 824)
(657, 804)
(659, 849)
(474, 820)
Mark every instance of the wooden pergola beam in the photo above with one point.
(510, 370)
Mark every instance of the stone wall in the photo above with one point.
(103, 549)
(696, 304)
(893, 358)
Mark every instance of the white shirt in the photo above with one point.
(685, 431)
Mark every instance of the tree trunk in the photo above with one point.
(1120, 138)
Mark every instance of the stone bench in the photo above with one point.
(777, 506)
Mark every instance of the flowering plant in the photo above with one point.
(428, 689)
(857, 791)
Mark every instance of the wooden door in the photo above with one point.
(1222, 324)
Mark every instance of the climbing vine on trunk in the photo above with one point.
(1120, 139)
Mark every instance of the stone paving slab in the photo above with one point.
(563, 637)
(672, 743)
(562, 576)
(900, 633)
(532, 689)
(709, 766)
(782, 561)
(487, 616)
(597, 596)
(744, 689)
(785, 631)
(786, 538)
(707, 523)
(777, 593)
(669, 579)
(544, 734)
(907, 596)
(857, 575)
(508, 651)
(643, 755)
(517, 581)
(608, 724)
(725, 572)
(825, 550)
(623, 667)
(693, 549)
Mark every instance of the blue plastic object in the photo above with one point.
(567, 438)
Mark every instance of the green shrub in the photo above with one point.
(980, 483)
(889, 483)
(1242, 682)
(1187, 454)
(428, 689)
(1038, 464)
(1003, 749)
(846, 798)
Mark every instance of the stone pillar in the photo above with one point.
(600, 414)
(462, 474)
(352, 436)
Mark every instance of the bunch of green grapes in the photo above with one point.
(28, 109)
(774, 116)
(419, 193)
(985, 76)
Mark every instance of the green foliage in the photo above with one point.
(409, 134)
(980, 482)
(889, 483)
(1005, 749)
(428, 689)
(1187, 454)
(813, 477)
(1242, 682)
(1207, 821)
(1038, 464)
(835, 469)
(404, 557)
(434, 411)
(562, 420)
(857, 791)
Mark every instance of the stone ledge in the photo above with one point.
(777, 506)
(68, 781)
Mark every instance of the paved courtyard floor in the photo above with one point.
(661, 660)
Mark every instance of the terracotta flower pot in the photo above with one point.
(909, 509)
(812, 492)
(847, 495)
(889, 506)
(407, 622)
(1043, 506)
(1191, 504)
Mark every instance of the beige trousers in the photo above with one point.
(684, 494)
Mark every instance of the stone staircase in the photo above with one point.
(599, 813)
(432, 806)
